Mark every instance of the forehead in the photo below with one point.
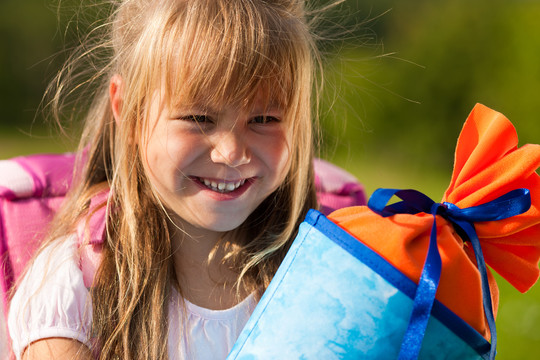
(259, 102)
(216, 61)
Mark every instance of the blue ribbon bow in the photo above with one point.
(513, 203)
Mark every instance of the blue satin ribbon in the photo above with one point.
(513, 203)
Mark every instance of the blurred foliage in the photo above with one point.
(36, 37)
(404, 97)
(396, 94)
(28, 39)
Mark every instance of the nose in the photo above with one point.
(229, 147)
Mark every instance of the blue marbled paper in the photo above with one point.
(327, 302)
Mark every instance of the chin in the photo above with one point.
(222, 227)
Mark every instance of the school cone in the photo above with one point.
(409, 280)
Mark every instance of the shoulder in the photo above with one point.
(51, 301)
(57, 348)
(55, 261)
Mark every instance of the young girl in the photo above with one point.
(200, 136)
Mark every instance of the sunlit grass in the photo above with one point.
(25, 142)
(517, 323)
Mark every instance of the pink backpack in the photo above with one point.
(336, 188)
(32, 188)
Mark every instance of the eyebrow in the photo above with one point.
(267, 106)
(195, 107)
(191, 107)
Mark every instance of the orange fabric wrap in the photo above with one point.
(488, 164)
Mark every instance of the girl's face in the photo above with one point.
(212, 166)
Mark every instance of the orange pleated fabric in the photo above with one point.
(488, 164)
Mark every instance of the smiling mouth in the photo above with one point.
(221, 186)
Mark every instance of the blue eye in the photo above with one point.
(264, 119)
(197, 118)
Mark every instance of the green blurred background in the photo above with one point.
(398, 89)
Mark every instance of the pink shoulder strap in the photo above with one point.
(91, 234)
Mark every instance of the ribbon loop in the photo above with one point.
(413, 202)
(513, 203)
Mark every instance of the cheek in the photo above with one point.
(158, 157)
(172, 153)
(180, 150)
(276, 150)
(153, 149)
(283, 159)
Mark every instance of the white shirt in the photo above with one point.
(52, 301)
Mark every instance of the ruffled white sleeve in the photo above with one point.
(51, 300)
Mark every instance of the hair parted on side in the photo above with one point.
(219, 51)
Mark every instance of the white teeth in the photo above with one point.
(222, 186)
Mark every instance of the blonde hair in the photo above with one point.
(219, 51)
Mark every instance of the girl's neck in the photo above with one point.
(204, 278)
